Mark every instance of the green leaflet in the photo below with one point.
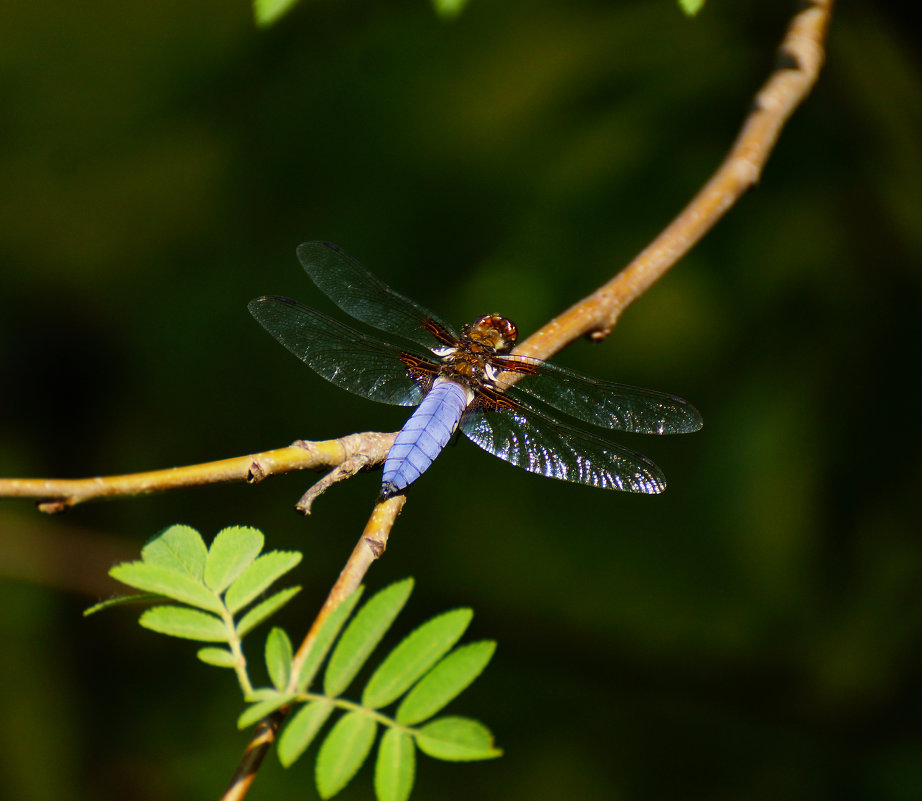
(343, 752)
(445, 682)
(179, 548)
(278, 657)
(218, 657)
(259, 576)
(414, 656)
(167, 581)
(190, 624)
(456, 740)
(363, 634)
(122, 600)
(395, 767)
(255, 712)
(265, 609)
(302, 728)
(231, 551)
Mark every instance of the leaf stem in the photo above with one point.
(236, 647)
(354, 706)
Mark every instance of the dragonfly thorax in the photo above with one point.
(468, 363)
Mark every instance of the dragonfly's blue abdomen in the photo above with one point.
(423, 436)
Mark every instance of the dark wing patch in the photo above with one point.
(348, 358)
(364, 296)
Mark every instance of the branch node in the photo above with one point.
(788, 60)
(599, 334)
(256, 473)
(376, 546)
(55, 507)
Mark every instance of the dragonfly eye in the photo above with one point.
(496, 331)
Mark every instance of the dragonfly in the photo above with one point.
(454, 380)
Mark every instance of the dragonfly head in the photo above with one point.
(494, 331)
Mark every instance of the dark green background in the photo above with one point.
(754, 633)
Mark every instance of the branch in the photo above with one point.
(357, 451)
(800, 57)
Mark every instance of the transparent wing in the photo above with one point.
(528, 439)
(351, 360)
(367, 298)
(603, 403)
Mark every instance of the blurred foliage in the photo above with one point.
(691, 7)
(753, 633)
(268, 12)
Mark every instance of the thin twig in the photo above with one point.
(348, 468)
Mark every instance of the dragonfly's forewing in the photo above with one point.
(366, 297)
(350, 359)
(603, 403)
(527, 439)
